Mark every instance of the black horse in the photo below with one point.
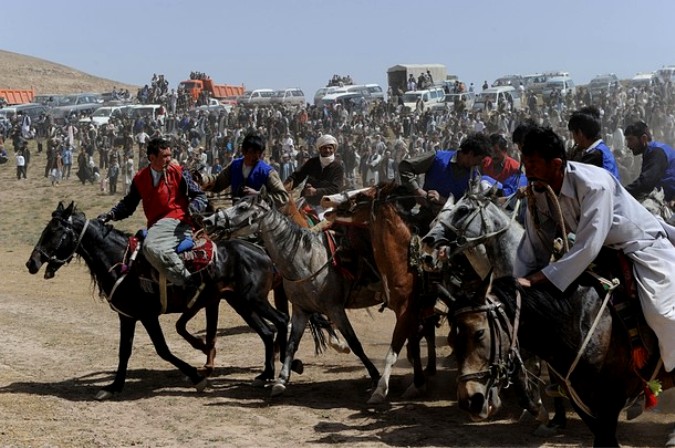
(242, 274)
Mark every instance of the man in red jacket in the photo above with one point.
(169, 196)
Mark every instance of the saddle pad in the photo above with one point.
(200, 256)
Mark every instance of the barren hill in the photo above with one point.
(19, 71)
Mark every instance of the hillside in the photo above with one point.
(19, 71)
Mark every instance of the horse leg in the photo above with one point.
(429, 332)
(281, 305)
(127, 331)
(154, 330)
(298, 324)
(280, 321)
(405, 328)
(605, 423)
(339, 317)
(208, 345)
(264, 331)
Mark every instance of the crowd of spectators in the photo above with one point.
(372, 138)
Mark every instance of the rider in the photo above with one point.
(501, 167)
(585, 127)
(248, 174)
(169, 197)
(601, 213)
(324, 174)
(445, 172)
(658, 162)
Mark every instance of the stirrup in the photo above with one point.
(555, 391)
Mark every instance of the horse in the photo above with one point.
(656, 203)
(312, 281)
(241, 274)
(600, 377)
(378, 210)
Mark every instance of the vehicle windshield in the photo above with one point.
(268, 94)
(189, 85)
(484, 97)
(102, 112)
(411, 97)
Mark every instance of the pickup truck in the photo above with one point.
(215, 106)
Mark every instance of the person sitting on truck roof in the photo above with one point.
(247, 175)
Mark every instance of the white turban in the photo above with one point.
(326, 139)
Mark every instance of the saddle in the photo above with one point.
(197, 253)
(625, 304)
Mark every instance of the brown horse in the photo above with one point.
(379, 210)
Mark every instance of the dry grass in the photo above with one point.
(27, 204)
(19, 71)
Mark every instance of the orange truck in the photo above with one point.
(199, 82)
(16, 96)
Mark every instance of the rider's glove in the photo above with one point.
(105, 217)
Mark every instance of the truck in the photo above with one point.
(11, 97)
(200, 82)
(397, 75)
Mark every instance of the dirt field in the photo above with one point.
(59, 346)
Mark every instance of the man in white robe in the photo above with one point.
(601, 213)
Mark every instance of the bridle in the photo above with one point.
(69, 231)
(226, 230)
(462, 242)
(502, 364)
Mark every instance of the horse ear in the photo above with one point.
(484, 287)
(69, 211)
(263, 194)
(59, 208)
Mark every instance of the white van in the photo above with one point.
(288, 96)
(429, 96)
(640, 80)
(497, 96)
(562, 84)
(258, 97)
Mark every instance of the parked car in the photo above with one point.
(215, 106)
(33, 110)
(562, 84)
(602, 83)
(260, 97)
(76, 104)
(451, 100)
(429, 97)
(496, 96)
(102, 115)
(288, 96)
(640, 80)
(508, 80)
(349, 100)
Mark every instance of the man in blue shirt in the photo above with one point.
(445, 172)
(585, 127)
(658, 162)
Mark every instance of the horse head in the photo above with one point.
(240, 220)
(464, 224)
(58, 242)
(657, 205)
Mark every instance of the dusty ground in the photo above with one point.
(58, 346)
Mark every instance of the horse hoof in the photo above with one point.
(205, 371)
(339, 347)
(200, 386)
(377, 398)
(260, 382)
(278, 389)
(103, 395)
(297, 366)
(545, 431)
(414, 392)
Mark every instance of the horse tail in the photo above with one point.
(318, 323)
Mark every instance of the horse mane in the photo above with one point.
(106, 233)
(399, 197)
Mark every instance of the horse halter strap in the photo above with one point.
(464, 243)
(499, 370)
(69, 229)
